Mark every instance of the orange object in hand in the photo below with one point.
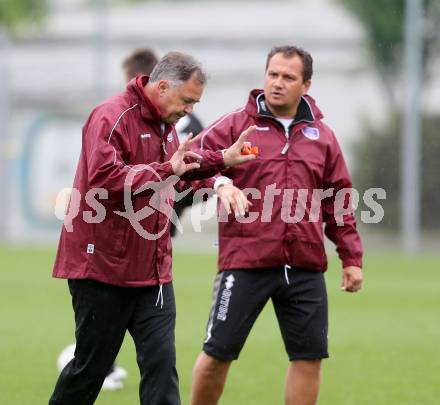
(247, 149)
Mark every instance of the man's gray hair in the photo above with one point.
(177, 68)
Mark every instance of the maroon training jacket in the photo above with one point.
(311, 159)
(120, 133)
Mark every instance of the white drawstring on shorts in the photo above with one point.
(287, 267)
(160, 296)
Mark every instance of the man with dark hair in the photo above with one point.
(117, 256)
(290, 51)
(299, 185)
(142, 62)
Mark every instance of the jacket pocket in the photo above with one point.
(111, 235)
(306, 254)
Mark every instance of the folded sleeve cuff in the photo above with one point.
(352, 261)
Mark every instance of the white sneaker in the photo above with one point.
(118, 374)
(112, 385)
(65, 356)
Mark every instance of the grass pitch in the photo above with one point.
(384, 341)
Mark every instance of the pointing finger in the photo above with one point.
(193, 155)
(244, 135)
(192, 166)
(187, 142)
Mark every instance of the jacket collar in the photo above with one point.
(307, 111)
(149, 110)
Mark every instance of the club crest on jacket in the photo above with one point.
(311, 133)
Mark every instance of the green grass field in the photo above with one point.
(384, 341)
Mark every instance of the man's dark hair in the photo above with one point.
(178, 67)
(288, 51)
(140, 62)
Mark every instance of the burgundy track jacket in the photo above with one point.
(309, 159)
(121, 133)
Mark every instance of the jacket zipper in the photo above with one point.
(287, 134)
(164, 148)
(287, 145)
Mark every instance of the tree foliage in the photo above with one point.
(14, 12)
(378, 162)
(384, 21)
(377, 153)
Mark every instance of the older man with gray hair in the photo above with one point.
(115, 251)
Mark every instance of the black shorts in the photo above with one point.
(299, 299)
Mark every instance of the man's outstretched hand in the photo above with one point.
(177, 161)
(232, 155)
